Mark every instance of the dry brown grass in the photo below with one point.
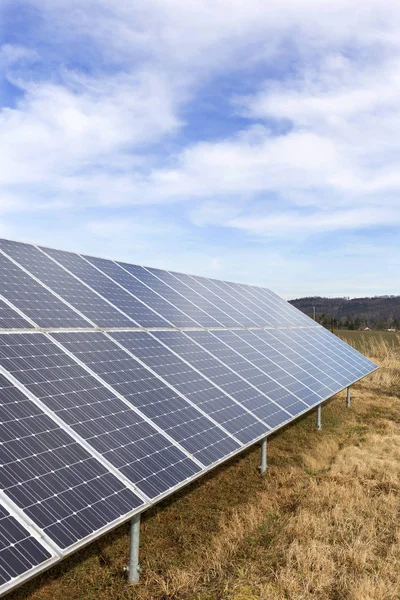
(324, 523)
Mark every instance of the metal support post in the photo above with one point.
(263, 465)
(133, 567)
(348, 398)
(319, 423)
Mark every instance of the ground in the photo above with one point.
(323, 523)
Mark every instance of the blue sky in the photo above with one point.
(252, 141)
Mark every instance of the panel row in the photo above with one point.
(95, 426)
(56, 289)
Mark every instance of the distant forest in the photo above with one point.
(379, 312)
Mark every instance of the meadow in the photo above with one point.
(322, 524)
(360, 338)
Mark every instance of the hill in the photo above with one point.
(379, 312)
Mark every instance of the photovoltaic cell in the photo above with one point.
(46, 473)
(283, 308)
(135, 310)
(37, 303)
(116, 431)
(273, 316)
(211, 368)
(191, 384)
(65, 285)
(342, 353)
(20, 552)
(144, 390)
(11, 319)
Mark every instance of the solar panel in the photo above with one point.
(20, 551)
(82, 298)
(182, 303)
(48, 475)
(34, 300)
(123, 277)
(240, 312)
(213, 402)
(144, 390)
(135, 310)
(181, 286)
(119, 384)
(11, 319)
(111, 427)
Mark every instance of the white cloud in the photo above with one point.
(11, 54)
(320, 152)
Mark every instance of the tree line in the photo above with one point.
(378, 312)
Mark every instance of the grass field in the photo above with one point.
(360, 338)
(322, 524)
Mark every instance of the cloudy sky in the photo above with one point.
(256, 141)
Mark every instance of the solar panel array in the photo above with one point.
(120, 384)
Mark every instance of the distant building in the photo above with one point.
(391, 329)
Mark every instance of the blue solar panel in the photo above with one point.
(160, 306)
(180, 284)
(124, 438)
(289, 399)
(34, 300)
(232, 306)
(224, 313)
(11, 319)
(282, 369)
(199, 316)
(260, 312)
(20, 552)
(120, 298)
(285, 310)
(273, 315)
(65, 285)
(297, 359)
(63, 489)
(212, 401)
(139, 283)
(144, 390)
(267, 402)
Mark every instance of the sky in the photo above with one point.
(251, 141)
